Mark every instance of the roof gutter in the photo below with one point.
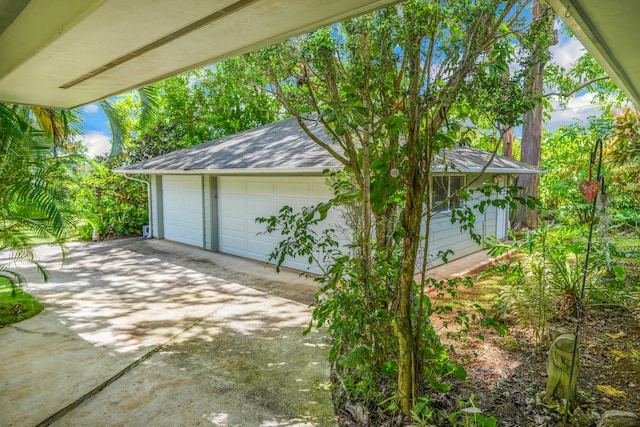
(243, 171)
(130, 178)
(497, 171)
(304, 171)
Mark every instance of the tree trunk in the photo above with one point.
(531, 138)
(407, 364)
(530, 153)
(507, 142)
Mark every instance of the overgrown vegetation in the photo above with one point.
(544, 279)
(393, 89)
(36, 183)
(387, 356)
(509, 371)
(35, 187)
(112, 205)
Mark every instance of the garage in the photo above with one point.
(210, 195)
(242, 199)
(182, 209)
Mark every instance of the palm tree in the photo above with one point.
(148, 97)
(34, 185)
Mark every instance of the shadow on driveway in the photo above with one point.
(147, 332)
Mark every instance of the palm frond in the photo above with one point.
(34, 187)
(358, 356)
(13, 278)
(149, 97)
(116, 124)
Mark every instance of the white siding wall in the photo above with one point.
(447, 236)
(242, 199)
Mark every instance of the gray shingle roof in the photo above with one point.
(277, 146)
(283, 147)
(469, 159)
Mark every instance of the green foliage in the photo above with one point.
(566, 158)
(422, 414)
(206, 104)
(470, 415)
(300, 236)
(392, 89)
(622, 154)
(360, 316)
(112, 205)
(584, 75)
(545, 278)
(155, 141)
(478, 199)
(170, 115)
(529, 296)
(625, 219)
(35, 185)
(620, 273)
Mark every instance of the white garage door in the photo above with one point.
(243, 199)
(182, 209)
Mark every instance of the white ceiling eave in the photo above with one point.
(609, 32)
(66, 53)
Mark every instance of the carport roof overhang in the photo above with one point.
(66, 53)
(609, 32)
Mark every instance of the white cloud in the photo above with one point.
(578, 109)
(567, 51)
(96, 143)
(90, 109)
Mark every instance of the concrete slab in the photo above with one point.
(146, 332)
(149, 332)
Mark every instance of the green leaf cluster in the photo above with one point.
(392, 89)
(35, 188)
(112, 205)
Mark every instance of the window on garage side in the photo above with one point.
(442, 188)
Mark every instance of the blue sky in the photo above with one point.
(97, 134)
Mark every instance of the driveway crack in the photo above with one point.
(93, 392)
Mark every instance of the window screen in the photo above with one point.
(443, 188)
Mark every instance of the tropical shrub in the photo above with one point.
(528, 296)
(112, 205)
(357, 313)
(35, 186)
(566, 158)
(545, 278)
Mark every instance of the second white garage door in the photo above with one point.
(243, 199)
(182, 209)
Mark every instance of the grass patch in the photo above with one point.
(484, 291)
(16, 306)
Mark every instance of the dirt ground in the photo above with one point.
(509, 371)
(505, 373)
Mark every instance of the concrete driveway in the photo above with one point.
(152, 333)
